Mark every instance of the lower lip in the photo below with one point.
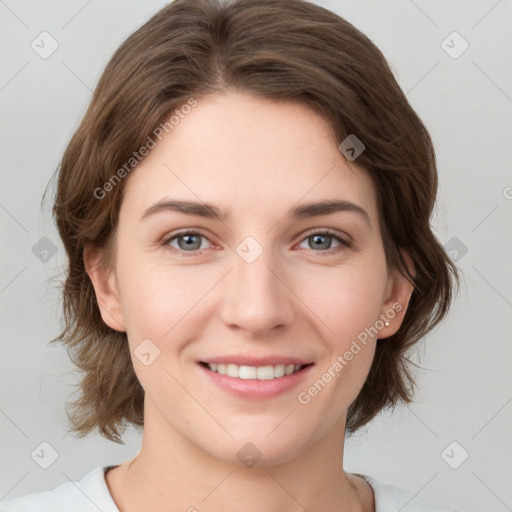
(254, 389)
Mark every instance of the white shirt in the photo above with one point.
(91, 494)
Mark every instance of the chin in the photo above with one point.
(258, 445)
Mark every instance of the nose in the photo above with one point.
(258, 298)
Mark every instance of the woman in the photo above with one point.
(245, 208)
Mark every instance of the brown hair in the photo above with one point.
(278, 49)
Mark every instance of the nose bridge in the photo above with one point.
(257, 299)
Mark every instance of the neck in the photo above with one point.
(170, 470)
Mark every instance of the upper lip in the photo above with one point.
(245, 360)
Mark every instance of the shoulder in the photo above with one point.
(389, 498)
(89, 494)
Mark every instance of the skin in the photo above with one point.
(257, 158)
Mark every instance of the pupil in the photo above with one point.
(318, 238)
(189, 241)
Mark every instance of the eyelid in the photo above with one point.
(345, 237)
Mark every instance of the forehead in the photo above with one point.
(245, 152)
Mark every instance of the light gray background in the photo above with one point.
(466, 103)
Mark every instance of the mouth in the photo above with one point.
(252, 377)
(245, 372)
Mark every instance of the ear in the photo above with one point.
(105, 287)
(398, 294)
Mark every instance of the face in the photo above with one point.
(222, 297)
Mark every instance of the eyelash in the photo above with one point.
(344, 244)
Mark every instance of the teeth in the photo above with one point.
(265, 372)
(247, 372)
(279, 370)
(232, 370)
(254, 372)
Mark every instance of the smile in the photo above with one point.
(255, 378)
(244, 372)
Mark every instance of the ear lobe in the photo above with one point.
(399, 293)
(105, 287)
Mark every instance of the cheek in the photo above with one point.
(157, 305)
(346, 299)
(159, 300)
(348, 303)
(152, 306)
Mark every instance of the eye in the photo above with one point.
(322, 242)
(188, 241)
(192, 242)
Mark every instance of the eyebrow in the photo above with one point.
(303, 211)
